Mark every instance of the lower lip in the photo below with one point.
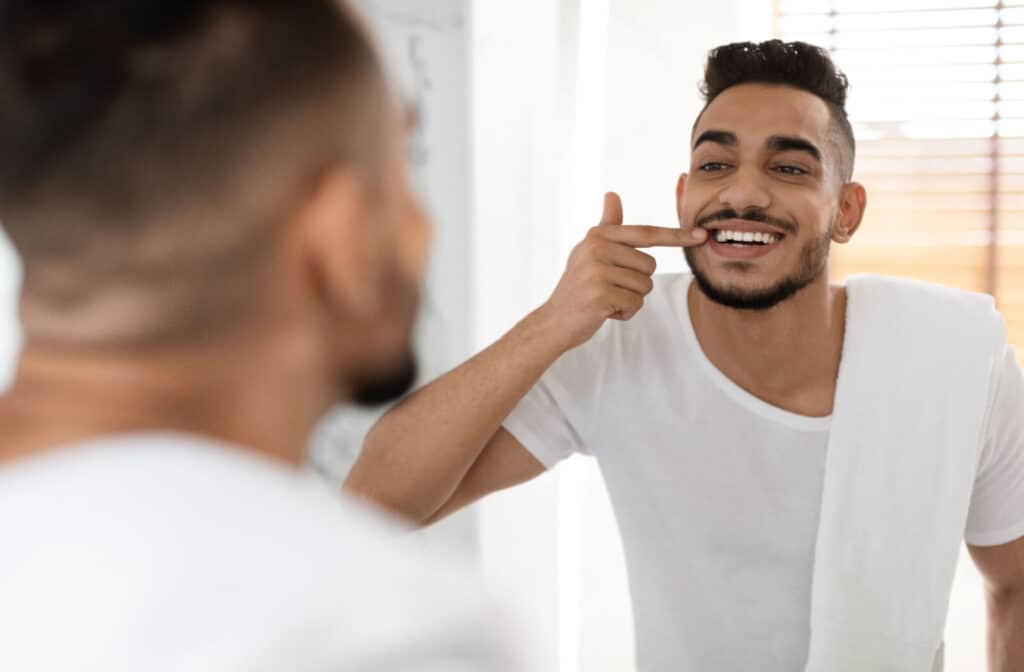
(745, 252)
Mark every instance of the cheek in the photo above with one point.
(807, 206)
(415, 232)
(699, 199)
(689, 209)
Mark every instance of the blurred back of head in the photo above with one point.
(150, 148)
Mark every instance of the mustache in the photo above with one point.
(748, 215)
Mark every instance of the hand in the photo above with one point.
(607, 276)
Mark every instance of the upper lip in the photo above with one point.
(743, 225)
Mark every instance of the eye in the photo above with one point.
(713, 167)
(790, 170)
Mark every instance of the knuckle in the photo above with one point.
(591, 248)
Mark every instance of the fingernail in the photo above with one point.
(699, 234)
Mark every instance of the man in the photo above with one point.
(219, 243)
(710, 400)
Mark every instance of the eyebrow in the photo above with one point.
(785, 143)
(718, 137)
(776, 143)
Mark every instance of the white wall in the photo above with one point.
(522, 106)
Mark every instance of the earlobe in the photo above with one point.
(680, 191)
(840, 232)
(852, 204)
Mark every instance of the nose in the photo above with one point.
(745, 190)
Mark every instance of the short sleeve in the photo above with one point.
(541, 424)
(997, 504)
(553, 419)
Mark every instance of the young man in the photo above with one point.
(219, 242)
(793, 464)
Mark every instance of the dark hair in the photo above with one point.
(796, 64)
(188, 121)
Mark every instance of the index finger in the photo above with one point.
(653, 236)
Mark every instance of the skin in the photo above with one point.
(1003, 570)
(787, 355)
(346, 262)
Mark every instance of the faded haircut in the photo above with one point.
(149, 148)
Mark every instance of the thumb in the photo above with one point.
(612, 210)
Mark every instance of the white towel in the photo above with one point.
(912, 397)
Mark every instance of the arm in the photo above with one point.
(416, 456)
(443, 447)
(1003, 570)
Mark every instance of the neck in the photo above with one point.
(256, 392)
(790, 350)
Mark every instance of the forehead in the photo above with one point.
(755, 112)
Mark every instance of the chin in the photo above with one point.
(753, 286)
(754, 294)
(386, 384)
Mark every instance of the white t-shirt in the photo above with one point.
(166, 553)
(717, 493)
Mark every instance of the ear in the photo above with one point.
(337, 245)
(680, 190)
(853, 200)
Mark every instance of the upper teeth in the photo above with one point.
(746, 237)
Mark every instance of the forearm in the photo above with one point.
(419, 452)
(1006, 632)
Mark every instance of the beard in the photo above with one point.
(384, 388)
(392, 374)
(813, 264)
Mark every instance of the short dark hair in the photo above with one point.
(146, 141)
(796, 64)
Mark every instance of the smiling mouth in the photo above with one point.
(745, 238)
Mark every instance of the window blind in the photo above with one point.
(937, 104)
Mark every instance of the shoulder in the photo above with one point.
(940, 313)
(918, 297)
(237, 549)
